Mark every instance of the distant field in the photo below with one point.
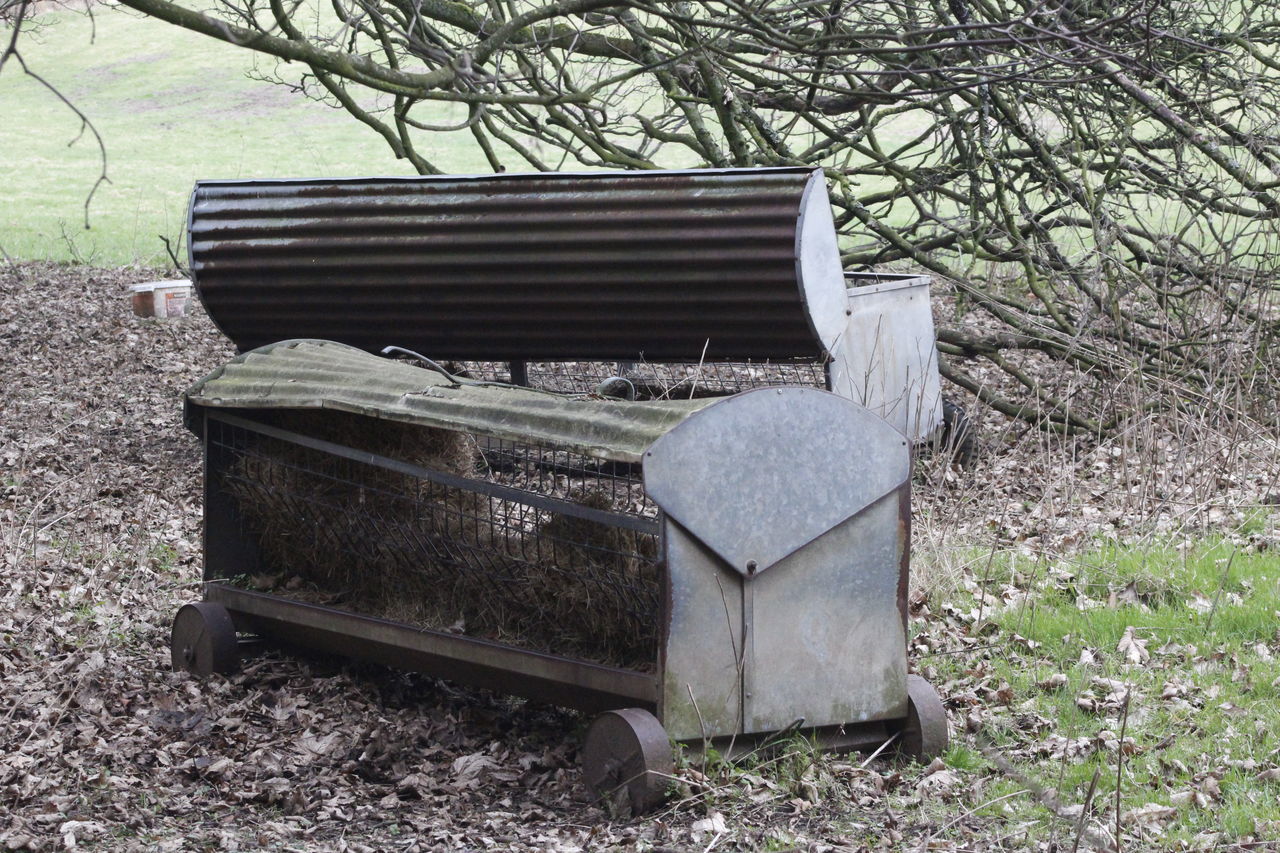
(172, 107)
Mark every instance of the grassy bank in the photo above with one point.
(1134, 679)
(171, 107)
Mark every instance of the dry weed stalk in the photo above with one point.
(1048, 798)
(1162, 472)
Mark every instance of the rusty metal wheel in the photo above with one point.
(203, 640)
(924, 732)
(959, 436)
(627, 761)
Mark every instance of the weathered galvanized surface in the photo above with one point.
(665, 266)
(818, 640)
(888, 359)
(827, 641)
(763, 473)
(701, 678)
(785, 536)
(327, 375)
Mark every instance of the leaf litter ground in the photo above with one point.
(1092, 612)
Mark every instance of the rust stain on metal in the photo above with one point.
(602, 266)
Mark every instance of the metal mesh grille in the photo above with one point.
(657, 381)
(566, 476)
(381, 542)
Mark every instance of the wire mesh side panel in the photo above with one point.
(595, 483)
(379, 542)
(679, 381)
(654, 381)
(485, 371)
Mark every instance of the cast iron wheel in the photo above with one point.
(924, 731)
(203, 640)
(627, 761)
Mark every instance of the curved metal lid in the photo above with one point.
(725, 265)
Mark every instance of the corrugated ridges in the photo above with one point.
(327, 375)
(612, 266)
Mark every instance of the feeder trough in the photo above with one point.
(620, 462)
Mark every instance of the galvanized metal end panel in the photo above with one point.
(818, 267)
(702, 660)
(759, 475)
(888, 358)
(827, 642)
(816, 641)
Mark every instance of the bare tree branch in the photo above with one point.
(1098, 180)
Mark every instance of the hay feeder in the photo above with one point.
(709, 570)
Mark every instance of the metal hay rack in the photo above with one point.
(621, 481)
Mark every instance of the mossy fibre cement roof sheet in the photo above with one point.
(313, 374)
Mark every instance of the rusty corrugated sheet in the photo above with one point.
(328, 375)
(609, 266)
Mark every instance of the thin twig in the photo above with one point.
(1222, 583)
(1124, 725)
(1088, 802)
(879, 749)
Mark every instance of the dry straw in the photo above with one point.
(386, 544)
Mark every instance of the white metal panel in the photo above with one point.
(818, 265)
(887, 359)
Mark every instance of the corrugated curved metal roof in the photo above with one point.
(664, 266)
(313, 374)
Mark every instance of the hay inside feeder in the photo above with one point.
(386, 544)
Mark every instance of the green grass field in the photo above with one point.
(172, 107)
(1138, 679)
(1187, 631)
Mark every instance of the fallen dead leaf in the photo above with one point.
(1151, 813)
(1054, 682)
(1191, 797)
(1133, 650)
(467, 768)
(713, 824)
